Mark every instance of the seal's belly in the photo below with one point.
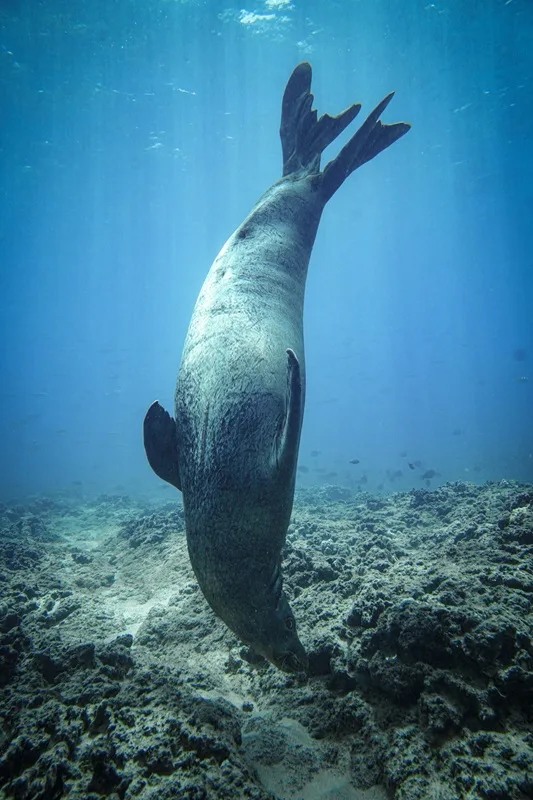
(231, 437)
(231, 393)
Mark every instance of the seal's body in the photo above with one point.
(233, 447)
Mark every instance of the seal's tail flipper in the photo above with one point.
(160, 444)
(371, 138)
(304, 137)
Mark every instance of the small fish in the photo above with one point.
(393, 474)
(403, 454)
(380, 487)
(428, 474)
(303, 468)
(417, 463)
(354, 461)
(331, 475)
(314, 453)
(457, 432)
(362, 480)
(410, 465)
(522, 379)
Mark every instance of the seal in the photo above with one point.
(232, 446)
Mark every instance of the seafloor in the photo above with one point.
(117, 681)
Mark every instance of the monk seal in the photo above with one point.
(232, 446)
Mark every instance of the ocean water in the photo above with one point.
(134, 138)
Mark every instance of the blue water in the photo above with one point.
(135, 136)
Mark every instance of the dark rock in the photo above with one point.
(491, 645)
(8, 620)
(16, 556)
(402, 682)
(156, 759)
(439, 717)
(81, 558)
(219, 715)
(152, 529)
(80, 656)
(105, 778)
(60, 611)
(8, 663)
(117, 659)
(419, 632)
(421, 497)
(320, 660)
(516, 685)
(47, 666)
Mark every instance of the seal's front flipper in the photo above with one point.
(161, 444)
(289, 434)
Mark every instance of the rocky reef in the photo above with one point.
(117, 681)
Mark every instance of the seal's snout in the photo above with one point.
(293, 662)
(290, 655)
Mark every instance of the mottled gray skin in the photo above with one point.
(231, 400)
(239, 397)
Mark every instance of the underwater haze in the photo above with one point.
(136, 136)
(379, 644)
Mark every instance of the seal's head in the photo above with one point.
(271, 632)
(283, 647)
